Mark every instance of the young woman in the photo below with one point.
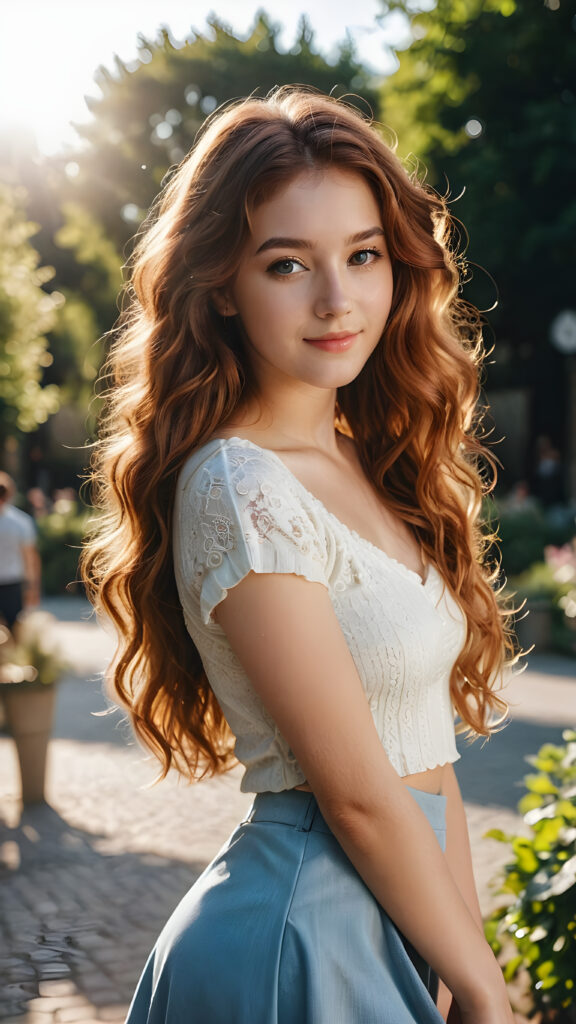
(291, 554)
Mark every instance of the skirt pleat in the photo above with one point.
(281, 929)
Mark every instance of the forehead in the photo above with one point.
(317, 200)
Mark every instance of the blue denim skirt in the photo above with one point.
(281, 929)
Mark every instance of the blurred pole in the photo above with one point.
(563, 337)
(572, 429)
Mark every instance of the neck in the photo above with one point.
(301, 417)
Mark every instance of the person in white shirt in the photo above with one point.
(19, 559)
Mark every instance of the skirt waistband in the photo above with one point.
(300, 810)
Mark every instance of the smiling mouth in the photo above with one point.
(335, 336)
(336, 342)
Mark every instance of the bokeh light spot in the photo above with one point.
(164, 130)
(130, 213)
(474, 128)
(191, 95)
(208, 104)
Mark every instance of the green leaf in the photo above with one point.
(513, 883)
(497, 833)
(567, 809)
(512, 966)
(526, 860)
(547, 832)
(491, 929)
(532, 953)
(549, 983)
(529, 803)
(544, 970)
(540, 784)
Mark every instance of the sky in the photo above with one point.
(50, 49)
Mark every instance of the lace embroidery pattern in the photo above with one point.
(217, 527)
(269, 510)
(268, 514)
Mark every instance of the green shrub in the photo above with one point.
(551, 584)
(525, 530)
(537, 931)
(537, 583)
(60, 535)
(523, 534)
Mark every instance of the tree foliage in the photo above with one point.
(89, 204)
(27, 314)
(95, 274)
(536, 931)
(486, 96)
(148, 113)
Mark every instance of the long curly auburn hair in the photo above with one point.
(176, 373)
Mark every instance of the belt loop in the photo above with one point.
(309, 815)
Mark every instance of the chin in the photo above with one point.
(337, 378)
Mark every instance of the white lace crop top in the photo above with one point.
(240, 509)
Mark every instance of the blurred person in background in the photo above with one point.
(548, 473)
(19, 559)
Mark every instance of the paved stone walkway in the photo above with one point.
(88, 879)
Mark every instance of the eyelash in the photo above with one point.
(272, 269)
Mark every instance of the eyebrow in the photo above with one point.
(302, 243)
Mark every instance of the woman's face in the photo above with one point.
(314, 286)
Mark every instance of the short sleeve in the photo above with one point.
(239, 512)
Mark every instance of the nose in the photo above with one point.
(332, 298)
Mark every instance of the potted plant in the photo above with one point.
(30, 667)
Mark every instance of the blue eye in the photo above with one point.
(363, 257)
(285, 268)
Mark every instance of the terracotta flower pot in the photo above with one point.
(29, 716)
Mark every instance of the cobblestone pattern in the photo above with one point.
(87, 880)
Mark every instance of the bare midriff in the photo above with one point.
(429, 781)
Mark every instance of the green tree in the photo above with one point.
(88, 204)
(485, 95)
(149, 112)
(27, 313)
(93, 281)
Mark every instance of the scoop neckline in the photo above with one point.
(423, 583)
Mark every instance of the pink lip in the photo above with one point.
(337, 342)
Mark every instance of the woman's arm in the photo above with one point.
(459, 858)
(458, 853)
(286, 635)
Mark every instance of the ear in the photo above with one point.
(223, 303)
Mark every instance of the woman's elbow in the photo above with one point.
(354, 821)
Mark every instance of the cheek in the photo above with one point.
(265, 311)
(383, 295)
